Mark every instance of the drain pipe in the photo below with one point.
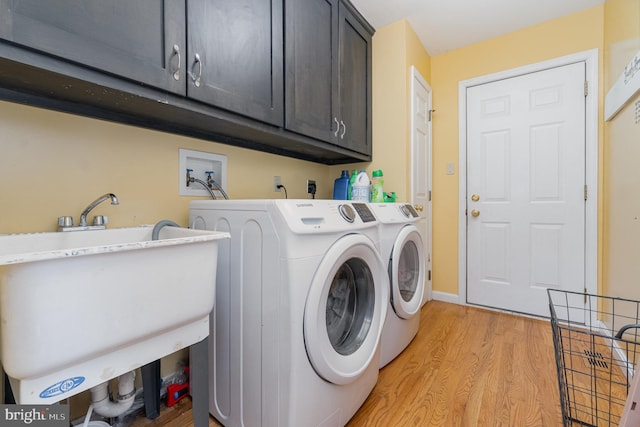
(151, 371)
(102, 403)
(100, 399)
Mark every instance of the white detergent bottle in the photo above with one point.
(361, 190)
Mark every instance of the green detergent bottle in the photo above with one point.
(377, 194)
(352, 179)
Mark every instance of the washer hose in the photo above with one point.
(159, 226)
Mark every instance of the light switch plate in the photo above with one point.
(451, 169)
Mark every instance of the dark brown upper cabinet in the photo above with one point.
(235, 56)
(142, 40)
(287, 77)
(328, 73)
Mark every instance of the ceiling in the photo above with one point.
(444, 25)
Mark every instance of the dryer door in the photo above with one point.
(345, 309)
(406, 272)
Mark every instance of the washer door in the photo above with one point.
(406, 272)
(345, 309)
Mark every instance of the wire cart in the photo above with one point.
(596, 341)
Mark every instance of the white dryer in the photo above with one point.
(402, 249)
(301, 298)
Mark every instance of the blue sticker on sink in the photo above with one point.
(61, 387)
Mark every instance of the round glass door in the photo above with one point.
(350, 306)
(345, 310)
(406, 272)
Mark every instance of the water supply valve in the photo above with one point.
(65, 221)
(100, 220)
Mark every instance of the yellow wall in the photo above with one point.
(55, 164)
(563, 36)
(621, 156)
(621, 36)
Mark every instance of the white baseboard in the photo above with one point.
(620, 357)
(446, 297)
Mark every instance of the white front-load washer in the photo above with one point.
(402, 249)
(301, 298)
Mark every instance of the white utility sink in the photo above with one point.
(79, 308)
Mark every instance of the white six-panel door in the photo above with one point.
(421, 167)
(525, 188)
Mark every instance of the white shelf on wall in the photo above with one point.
(624, 89)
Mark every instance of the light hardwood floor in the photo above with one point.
(469, 367)
(466, 367)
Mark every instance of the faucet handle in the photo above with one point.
(65, 221)
(100, 220)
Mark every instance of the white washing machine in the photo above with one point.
(402, 249)
(301, 298)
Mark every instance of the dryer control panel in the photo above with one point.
(409, 211)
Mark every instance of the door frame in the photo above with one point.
(590, 57)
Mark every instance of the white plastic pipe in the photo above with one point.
(103, 405)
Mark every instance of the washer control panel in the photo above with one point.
(364, 212)
(324, 216)
(347, 213)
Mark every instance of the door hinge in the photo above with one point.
(429, 275)
(429, 195)
(430, 115)
(586, 193)
(586, 88)
(585, 295)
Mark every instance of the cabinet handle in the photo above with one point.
(194, 77)
(344, 129)
(337, 127)
(176, 51)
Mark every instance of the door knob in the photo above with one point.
(475, 213)
(419, 208)
(475, 197)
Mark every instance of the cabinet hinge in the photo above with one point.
(429, 195)
(429, 275)
(586, 88)
(585, 192)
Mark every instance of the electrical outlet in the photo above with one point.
(276, 182)
(311, 186)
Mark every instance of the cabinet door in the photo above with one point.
(235, 56)
(355, 84)
(311, 68)
(143, 40)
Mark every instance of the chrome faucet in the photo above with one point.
(65, 223)
(85, 212)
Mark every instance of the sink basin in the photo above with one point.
(80, 308)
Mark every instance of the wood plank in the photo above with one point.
(466, 367)
(471, 367)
